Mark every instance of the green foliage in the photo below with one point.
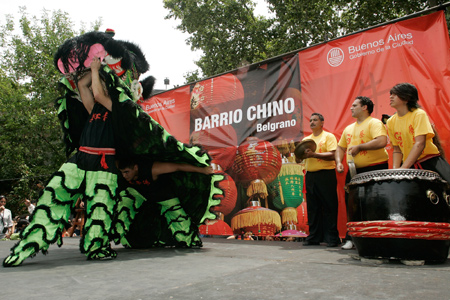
(228, 32)
(192, 76)
(362, 14)
(31, 147)
(302, 23)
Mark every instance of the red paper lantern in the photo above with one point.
(218, 227)
(256, 159)
(210, 92)
(257, 163)
(228, 199)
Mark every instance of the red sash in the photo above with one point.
(99, 151)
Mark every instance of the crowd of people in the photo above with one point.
(363, 142)
(10, 227)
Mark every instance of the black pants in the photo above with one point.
(322, 205)
(437, 164)
(384, 166)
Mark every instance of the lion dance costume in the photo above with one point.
(91, 174)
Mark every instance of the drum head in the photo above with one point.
(396, 175)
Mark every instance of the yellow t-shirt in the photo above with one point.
(403, 130)
(356, 134)
(325, 142)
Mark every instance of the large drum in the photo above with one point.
(400, 214)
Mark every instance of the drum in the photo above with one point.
(400, 214)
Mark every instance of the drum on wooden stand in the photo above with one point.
(399, 214)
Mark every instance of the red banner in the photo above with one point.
(249, 119)
(371, 63)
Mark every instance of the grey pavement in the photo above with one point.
(222, 269)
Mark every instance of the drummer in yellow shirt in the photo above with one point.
(411, 134)
(321, 183)
(364, 142)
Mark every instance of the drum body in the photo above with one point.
(400, 214)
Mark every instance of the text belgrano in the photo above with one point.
(277, 125)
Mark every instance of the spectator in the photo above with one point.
(6, 222)
(29, 206)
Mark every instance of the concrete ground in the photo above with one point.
(222, 269)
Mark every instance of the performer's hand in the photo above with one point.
(401, 167)
(2, 208)
(339, 167)
(86, 80)
(95, 64)
(354, 150)
(309, 153)
(208, 170)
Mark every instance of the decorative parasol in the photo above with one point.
(259, 220)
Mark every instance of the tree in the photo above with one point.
(228, 32)
(31, 147)
(362, 14)
(302, 23)
(192, 76)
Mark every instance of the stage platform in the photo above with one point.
(222, 269)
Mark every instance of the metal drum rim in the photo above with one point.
(395, 175)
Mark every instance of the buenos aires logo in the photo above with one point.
(335, 57)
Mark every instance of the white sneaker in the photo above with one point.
(348, 245)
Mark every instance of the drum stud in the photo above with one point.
(433, 197)
(447, 198)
